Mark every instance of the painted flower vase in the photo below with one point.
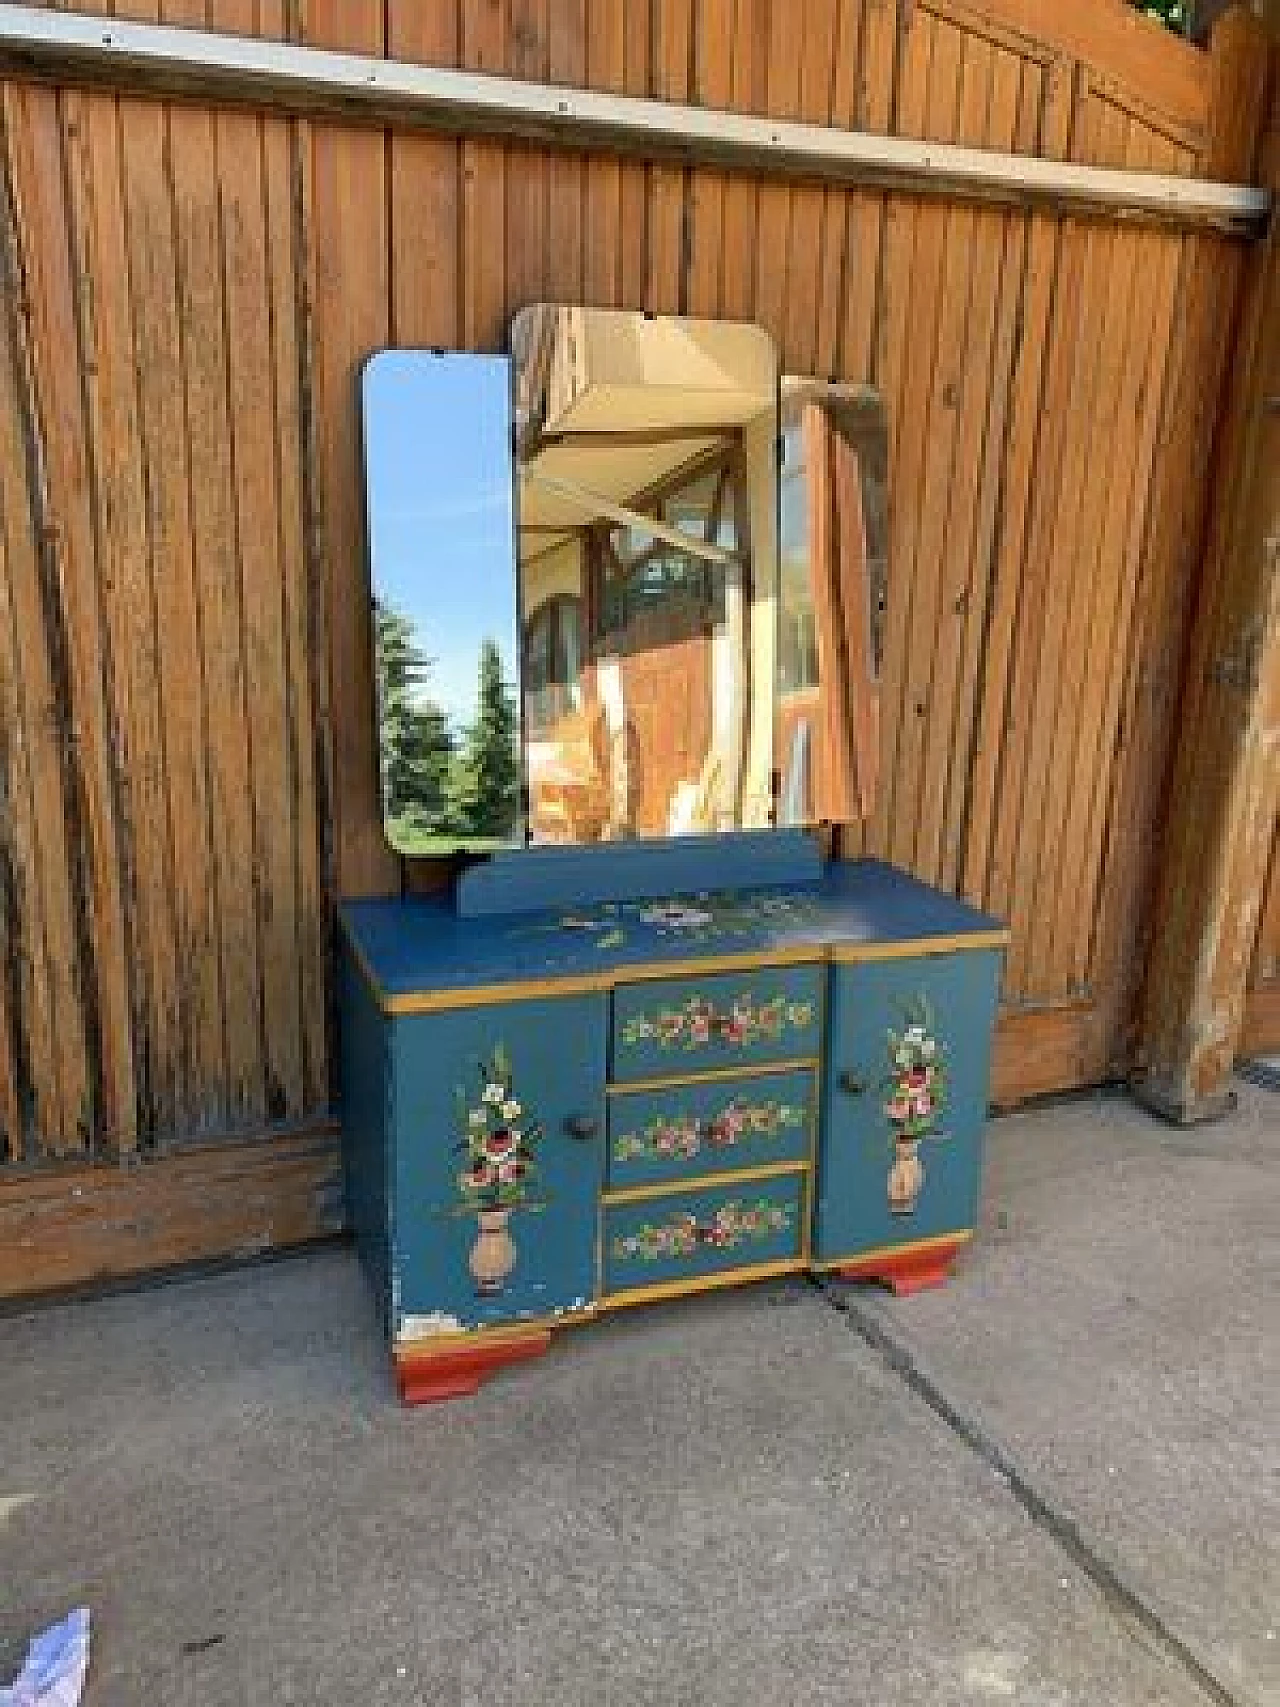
(493, 1255)
(906, 1176)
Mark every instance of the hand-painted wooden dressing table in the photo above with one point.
(629, 589)
(556, 1110)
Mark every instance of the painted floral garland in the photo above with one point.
(681, 1235)
(497, 1139)
(695, 1022)
(684, 1135)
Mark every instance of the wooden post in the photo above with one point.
(1225, 786)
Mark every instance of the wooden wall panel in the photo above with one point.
(62, 489)
(1266, 958)
(1262, 1003)
(62, 1229)
(186, 714)
(348, 266)
(44, 1062)
(1171, 554)
(156, 374)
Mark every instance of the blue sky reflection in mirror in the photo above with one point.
(439, 496)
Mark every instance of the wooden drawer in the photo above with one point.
(688, 1235)
(710, 1127)
(676, 1026)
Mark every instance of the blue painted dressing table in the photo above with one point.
(595, 1078)
(629, 593)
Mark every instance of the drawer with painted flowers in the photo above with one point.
(714, 1125)
(671, 1027)
(663, 1239)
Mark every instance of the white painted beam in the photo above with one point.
(594, 505)
(81, 50)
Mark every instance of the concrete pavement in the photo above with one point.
(1054, 1482)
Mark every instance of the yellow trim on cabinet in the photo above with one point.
(591, 983)
(714, 1075)
(815, 1125)
(665, 1289)
(655, 971)
(492, 995)
(701, 1182)
(960, 1237)
(911, 948)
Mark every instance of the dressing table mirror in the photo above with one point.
(626, 585)
(440, 526)
(629, 589)
(647, 528)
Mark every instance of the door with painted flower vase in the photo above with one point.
(905, 1102)
(498, 1115)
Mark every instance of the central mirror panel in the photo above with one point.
(646, 454)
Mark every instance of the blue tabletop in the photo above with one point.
(419, 943)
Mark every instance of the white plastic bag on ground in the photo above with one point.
(55, 1668)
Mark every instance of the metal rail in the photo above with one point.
(165, 61)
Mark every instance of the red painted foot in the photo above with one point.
(424, 1376)
(912, 1269)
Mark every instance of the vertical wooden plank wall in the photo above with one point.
(1262, 1000)
(164, 641)
(187, 771)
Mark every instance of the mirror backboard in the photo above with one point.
(647, 526)
(439, 495)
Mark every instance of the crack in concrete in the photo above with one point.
(1122, 1597)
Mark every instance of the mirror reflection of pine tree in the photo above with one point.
(483, 793)
(1174, 13)
(414, 742)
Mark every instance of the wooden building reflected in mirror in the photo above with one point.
(647, 540)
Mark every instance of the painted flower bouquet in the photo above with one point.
(916, 1095)
(916, 1088)
(497, 1139)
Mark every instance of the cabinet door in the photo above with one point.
(498, 1140)
(904, 1101)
